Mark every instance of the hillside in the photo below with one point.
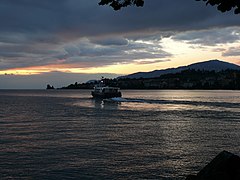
(186, 79)
(210, 65)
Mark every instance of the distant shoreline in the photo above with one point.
(188, 79)
(148, 89)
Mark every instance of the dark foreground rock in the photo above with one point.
(225, 166)
(50, 87)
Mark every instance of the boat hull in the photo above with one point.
(106, 95)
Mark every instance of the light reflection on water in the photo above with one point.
(67, 134)
(178, 106)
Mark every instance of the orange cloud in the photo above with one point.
(35, 69)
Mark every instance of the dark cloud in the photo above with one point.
(210, 37)
(86, 18)
(219, 50)
(232, 51)
(103, 52)
(151, 61)
(111, 41)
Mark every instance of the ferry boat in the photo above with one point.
(102, 91)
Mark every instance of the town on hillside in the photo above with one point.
(186, 79)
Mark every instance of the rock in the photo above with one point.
(191, 177)
(225, 166)
(50, 87)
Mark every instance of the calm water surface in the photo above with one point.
(147, 135)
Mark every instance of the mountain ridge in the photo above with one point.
(216, 65)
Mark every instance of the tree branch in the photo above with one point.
(222, 5)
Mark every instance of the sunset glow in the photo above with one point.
(182, 54)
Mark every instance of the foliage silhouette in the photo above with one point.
(118, 4)
(222, 5)
(225, 5)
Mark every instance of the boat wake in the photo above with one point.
(119, 99)
(173, 102)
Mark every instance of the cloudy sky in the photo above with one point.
(64, 41)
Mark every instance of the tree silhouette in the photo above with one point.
(222, 5)
(225, 5)
(118, 4)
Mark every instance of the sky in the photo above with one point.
(60, 42)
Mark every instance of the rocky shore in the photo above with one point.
(225, 166)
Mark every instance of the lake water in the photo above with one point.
(160, 134)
